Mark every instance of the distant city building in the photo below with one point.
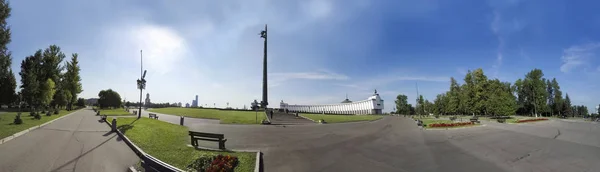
(147, 101)
(187, 105)
(195, 102)
(372, 105)
(179, 104)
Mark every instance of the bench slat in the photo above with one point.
(211, 135)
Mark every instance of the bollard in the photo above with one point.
(114, 125)
(180, 120)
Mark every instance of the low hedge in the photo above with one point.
(456, 124)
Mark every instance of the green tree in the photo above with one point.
(467, 94)
(567, 110)
(557, 106)
(47, 92)
(428, 107)
(80, 102)
(440, 104)
(51, 68)
(480, 91)
(109, 99)
(8, 84)
(402, 104)
(30, 84)
(412, 109)
(501, 100)
(550, 93)
(420, 109)
(454, 98)
(60, 98)
(72, 80)
(535, 91)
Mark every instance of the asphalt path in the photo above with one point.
(79, 142)
(397, 144)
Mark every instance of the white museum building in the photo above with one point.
(372, 105)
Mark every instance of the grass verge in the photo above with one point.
(226, 116)
(168, 142)
(7, 128)
(341, 118)
(115, 112)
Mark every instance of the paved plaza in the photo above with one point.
(397, 144)
(80, 143)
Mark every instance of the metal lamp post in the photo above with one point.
(141, 83)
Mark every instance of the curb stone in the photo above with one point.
(20, 133)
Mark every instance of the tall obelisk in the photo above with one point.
(264, 102)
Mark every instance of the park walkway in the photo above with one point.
(175, 119)
(79, 142)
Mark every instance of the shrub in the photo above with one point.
(32, 113)
(37, 116)
(97, 113)
(501, 120)
(437, 116)
(48, 113)
(56, 111)
(18, 119)
(217, 163)
(458, 124)
(452, 118)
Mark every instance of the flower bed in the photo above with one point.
(457, 124)
(531, 120)
(214, 164)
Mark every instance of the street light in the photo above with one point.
(141, 83)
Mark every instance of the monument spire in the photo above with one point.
(264, 102)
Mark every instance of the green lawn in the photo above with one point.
(226, 116)
(168, 142)
(7, 127)
(114, 112)
(341, 118)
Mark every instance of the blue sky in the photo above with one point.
(319, 50)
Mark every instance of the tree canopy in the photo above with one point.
(109, 99)
(8, 83)
(532, 95)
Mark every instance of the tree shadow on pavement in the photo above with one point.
(74, 160)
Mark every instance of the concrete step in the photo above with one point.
(283, 118)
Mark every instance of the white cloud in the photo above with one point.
(502, 27)
(319, 8)
(578, 55)
(162, 48)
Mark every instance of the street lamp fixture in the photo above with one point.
(141, 84)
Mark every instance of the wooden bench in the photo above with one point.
(153, 116)
(475, 119)
(195, 136)
(103, 117)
